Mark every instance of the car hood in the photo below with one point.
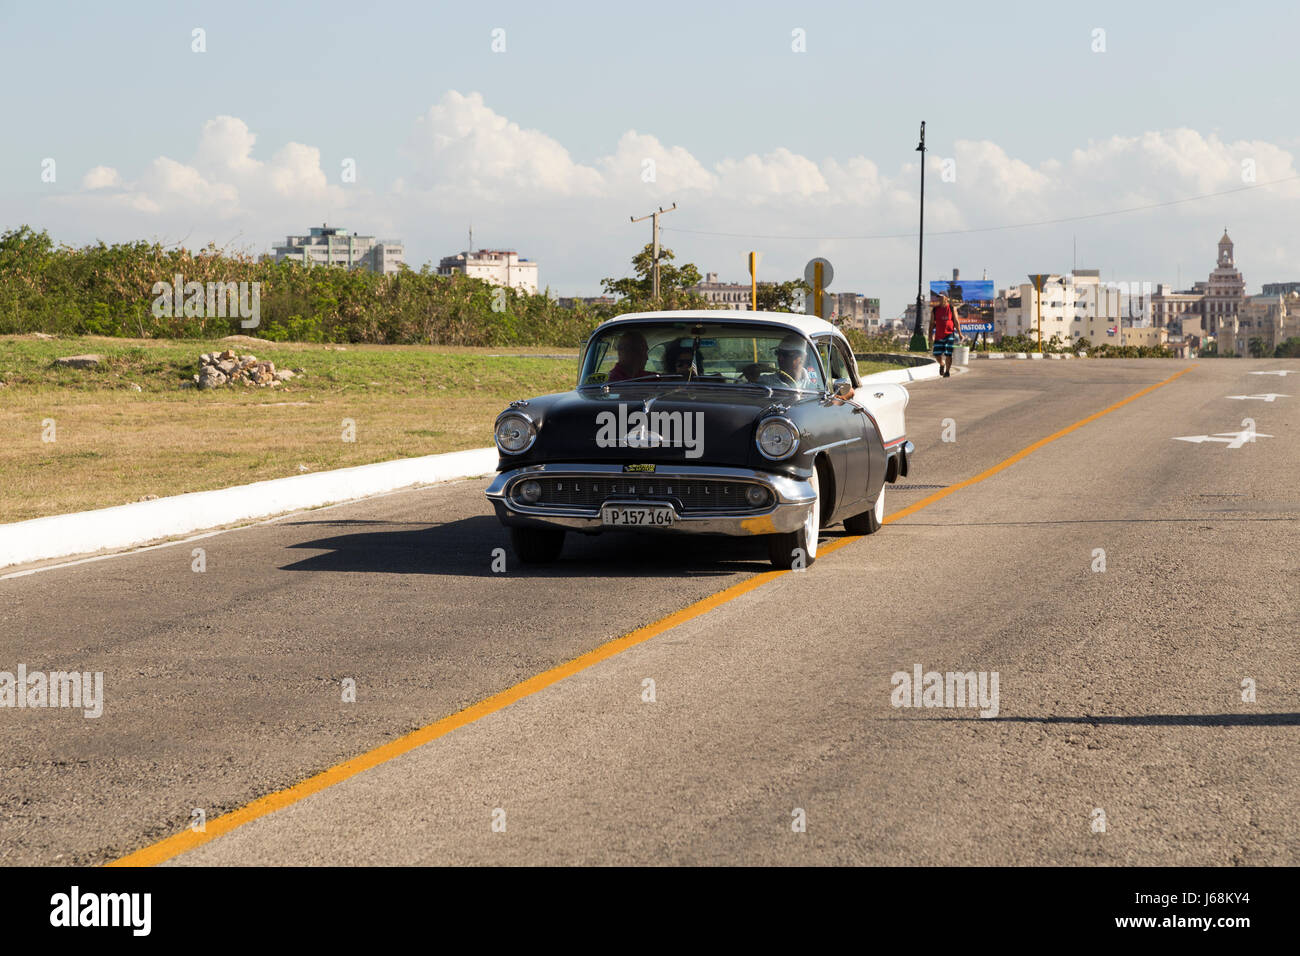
(690, 425)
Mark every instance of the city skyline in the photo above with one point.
(813, 142)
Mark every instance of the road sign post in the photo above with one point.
(818, 273)
(753, 280)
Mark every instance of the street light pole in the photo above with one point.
(918, 337)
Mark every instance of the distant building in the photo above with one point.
(1281, 288)
(1225, 291)
(724, 295)
(847, 308)
(1180, 312)
(1074, 306)
(332, 246)
(854, 311)
(1149, 336)
(570, 302)
(499, 266)
(1272, 319)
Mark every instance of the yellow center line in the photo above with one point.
(187, 840)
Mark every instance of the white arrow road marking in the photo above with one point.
(1284, 371)
(1269, 397)
(1232, 439)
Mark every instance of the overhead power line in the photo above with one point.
(1014, 225)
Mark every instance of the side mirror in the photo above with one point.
(841, 387)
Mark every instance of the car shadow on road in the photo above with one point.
(466, 547)
(1148, 720)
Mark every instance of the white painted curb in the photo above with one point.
(126, 526)
(1023, 355)
(901, 376)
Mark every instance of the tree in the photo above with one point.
(782, 296)
(1256, 348)
(1288, 349)
(675, 283)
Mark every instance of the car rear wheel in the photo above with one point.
(869, 522)
(537, 545)
(798, 549)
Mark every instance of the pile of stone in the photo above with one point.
(228, 368)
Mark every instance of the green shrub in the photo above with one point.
(108, 290)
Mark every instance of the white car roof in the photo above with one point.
(807, 324)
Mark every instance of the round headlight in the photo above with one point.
(514, 433)
(777, 438)
(756, 496)
(530, 491)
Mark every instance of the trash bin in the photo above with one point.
(961, 354)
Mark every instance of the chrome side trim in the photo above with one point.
(834, 444)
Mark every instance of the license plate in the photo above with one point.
(637, 516)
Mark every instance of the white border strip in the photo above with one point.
(127, 526)
(901, 376)
(1022, 355)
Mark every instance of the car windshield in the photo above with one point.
(731, 353)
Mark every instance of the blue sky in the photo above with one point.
(543, 145)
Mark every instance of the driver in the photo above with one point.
(791, 365)
(632, 355)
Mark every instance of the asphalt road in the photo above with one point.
(1120, 691)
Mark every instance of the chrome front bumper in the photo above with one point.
(792, 497)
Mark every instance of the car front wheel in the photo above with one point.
(798, 549)
(869, 522)
(537, 545)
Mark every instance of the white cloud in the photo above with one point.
(780, 175)
(675, 169)
(180, 185)
(462, 144)
(226, 146)
(522, 188)
(101, 177)
(295, 173)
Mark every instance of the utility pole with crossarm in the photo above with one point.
(654, 262)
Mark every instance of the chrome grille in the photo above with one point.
(688, 494)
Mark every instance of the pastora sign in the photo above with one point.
(971, 298)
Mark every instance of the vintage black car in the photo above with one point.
(703, 422)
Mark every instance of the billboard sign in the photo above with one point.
(972, 300)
